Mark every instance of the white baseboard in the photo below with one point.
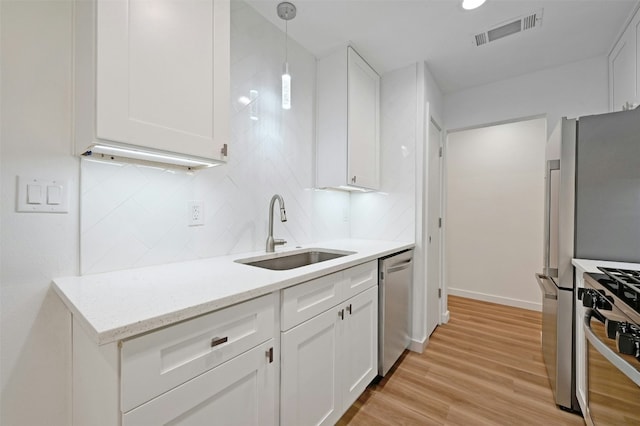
(496, 299)
(418, 345)
(445, 317)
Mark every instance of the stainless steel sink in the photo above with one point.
(294, 259)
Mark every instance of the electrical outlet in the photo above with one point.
(195, 211)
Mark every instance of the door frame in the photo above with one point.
(442, 305)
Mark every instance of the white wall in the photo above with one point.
(571, 90)
(35, 141)
(494, 212)
(396, 212)
(140, 211)
(134, 215)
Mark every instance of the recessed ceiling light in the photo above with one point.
(472, 4)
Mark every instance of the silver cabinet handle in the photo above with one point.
(353, 179)
(218, 341)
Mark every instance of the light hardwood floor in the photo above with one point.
(484, 367)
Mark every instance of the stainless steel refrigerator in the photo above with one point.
(592, 211)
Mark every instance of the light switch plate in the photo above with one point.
(53, 195)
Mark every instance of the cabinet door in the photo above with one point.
(622, 70)
(359, 344)
(163, 74)
(239, 392)
(363, 122)
(309, 364)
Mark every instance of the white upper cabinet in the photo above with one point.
(348, 138)
(624, 68)
(154, 75)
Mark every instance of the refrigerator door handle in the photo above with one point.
(551, 200)
(546, 290)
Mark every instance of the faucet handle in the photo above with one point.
(279, 242)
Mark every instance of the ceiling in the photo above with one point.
(391, 34)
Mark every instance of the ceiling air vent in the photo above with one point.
(513, 26)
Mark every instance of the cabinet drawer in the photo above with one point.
(306, 300)
(239, 392)
(161, 360)
(359, 278)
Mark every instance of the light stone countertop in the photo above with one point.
(117, 305)
(588, 265)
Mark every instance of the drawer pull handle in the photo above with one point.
(270, 355)
(341, 314)
(218, 341)
(349, 308)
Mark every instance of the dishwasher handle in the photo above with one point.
(400, 266)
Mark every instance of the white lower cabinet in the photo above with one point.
(309, 371)
(232, 367)
(328, 361)
(240, 392)
(220, 368)
(359, 345)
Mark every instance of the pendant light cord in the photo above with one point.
(286, 39)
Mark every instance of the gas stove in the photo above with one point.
(614, 295)
(612, 358)
(622, 289)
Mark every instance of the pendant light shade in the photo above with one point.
(286, 11)
(286, 87)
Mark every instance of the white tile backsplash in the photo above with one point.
(390, 213)
(135, 215)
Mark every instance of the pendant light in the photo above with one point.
(286, 11)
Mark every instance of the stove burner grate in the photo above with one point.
(626, 277)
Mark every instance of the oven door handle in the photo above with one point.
(620, 363)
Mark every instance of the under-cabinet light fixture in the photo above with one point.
(353, 188)
(472, 4)
(286, 11)
(156, 157)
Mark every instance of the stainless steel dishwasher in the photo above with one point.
(396, 276)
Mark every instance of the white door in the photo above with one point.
(163, 74)
(309, 390)
(434, 229)
(240, 392)
(360, 344)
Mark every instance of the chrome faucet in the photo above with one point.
(271, 242)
